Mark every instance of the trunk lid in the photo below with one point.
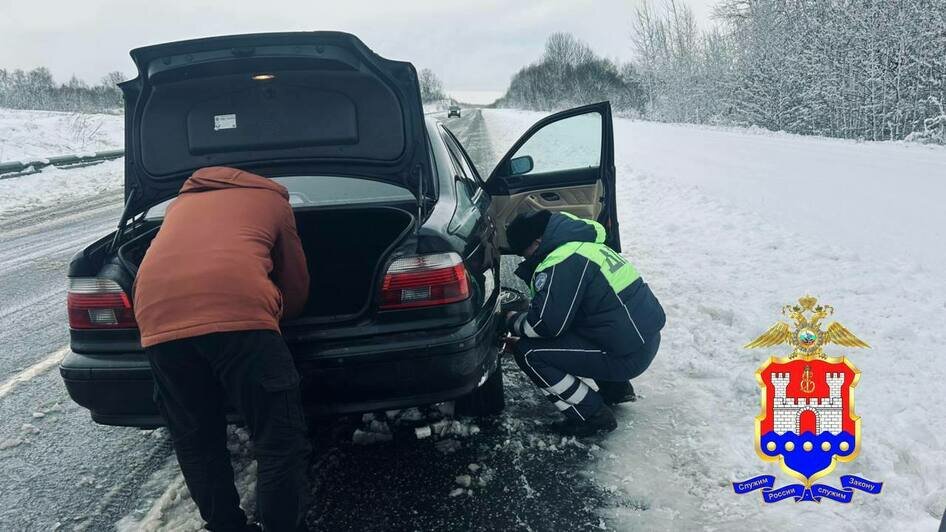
(271, 103)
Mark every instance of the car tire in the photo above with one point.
(512, 300)
(487, 400)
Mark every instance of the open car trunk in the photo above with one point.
(345, 249)
(276, 103)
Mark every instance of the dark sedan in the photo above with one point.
(403, 235)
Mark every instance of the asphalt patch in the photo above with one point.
(513, 474)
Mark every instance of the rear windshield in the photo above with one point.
(324, 191)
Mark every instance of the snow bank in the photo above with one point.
(34, 134)
(727, 227)
(30, 134)
(884, 198)
(53, 186)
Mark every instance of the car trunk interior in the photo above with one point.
(344, 248)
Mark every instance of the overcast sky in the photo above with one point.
(470, 45)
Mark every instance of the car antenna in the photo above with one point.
(123, 220)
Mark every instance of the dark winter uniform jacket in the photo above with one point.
(582, 286)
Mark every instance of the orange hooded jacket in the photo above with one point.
(227, 258)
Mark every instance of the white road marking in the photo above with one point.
(33, 371)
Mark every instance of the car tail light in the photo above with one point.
(96, 303)
(424, 280)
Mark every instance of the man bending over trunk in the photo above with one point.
(591, 315)
(226, 265)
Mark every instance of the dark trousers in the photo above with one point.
(554, 363)
(195, 379)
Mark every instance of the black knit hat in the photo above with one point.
(525, 229)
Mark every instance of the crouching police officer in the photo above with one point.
(591, 316)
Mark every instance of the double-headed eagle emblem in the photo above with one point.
(807, 338)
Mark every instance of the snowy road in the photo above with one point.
(55, 466)
(58, 470)
(722, 254)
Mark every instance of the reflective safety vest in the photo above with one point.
(616, 269)
(584, 287)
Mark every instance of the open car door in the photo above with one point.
(565, 162)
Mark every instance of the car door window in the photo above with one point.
(569, 144)
(468, 162)
(463, 170)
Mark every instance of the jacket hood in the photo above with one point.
(221, 177)
(561, 229)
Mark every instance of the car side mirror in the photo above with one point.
(521, 165)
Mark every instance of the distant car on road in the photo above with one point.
(403, 236)
(453, 111)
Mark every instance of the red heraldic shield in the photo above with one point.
(807, 421)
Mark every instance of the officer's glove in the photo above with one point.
(509, 344)
(509, 319)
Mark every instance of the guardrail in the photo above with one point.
(31, 166)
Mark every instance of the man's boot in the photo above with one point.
(614, 393)
(601, 422)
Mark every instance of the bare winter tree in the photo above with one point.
(431, 88)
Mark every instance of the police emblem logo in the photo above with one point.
(539, 281)
(807, 422)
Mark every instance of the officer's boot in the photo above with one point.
(614, 393)
(602, 421)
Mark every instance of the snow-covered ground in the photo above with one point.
(35, 134)
(30, 134)
(54, 186)
(727, 227)
(172, 509)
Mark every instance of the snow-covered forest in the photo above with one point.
(36, 89)
(862, 69)
(571, 73)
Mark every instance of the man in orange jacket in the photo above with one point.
(225, 267)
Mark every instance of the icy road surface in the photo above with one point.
(723, 225)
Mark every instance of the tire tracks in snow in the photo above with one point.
(28, 374)
(50, 231)
(79, 475)
(120, 499)
(35, 248)
(31, 222)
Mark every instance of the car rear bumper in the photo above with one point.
(376, 373)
